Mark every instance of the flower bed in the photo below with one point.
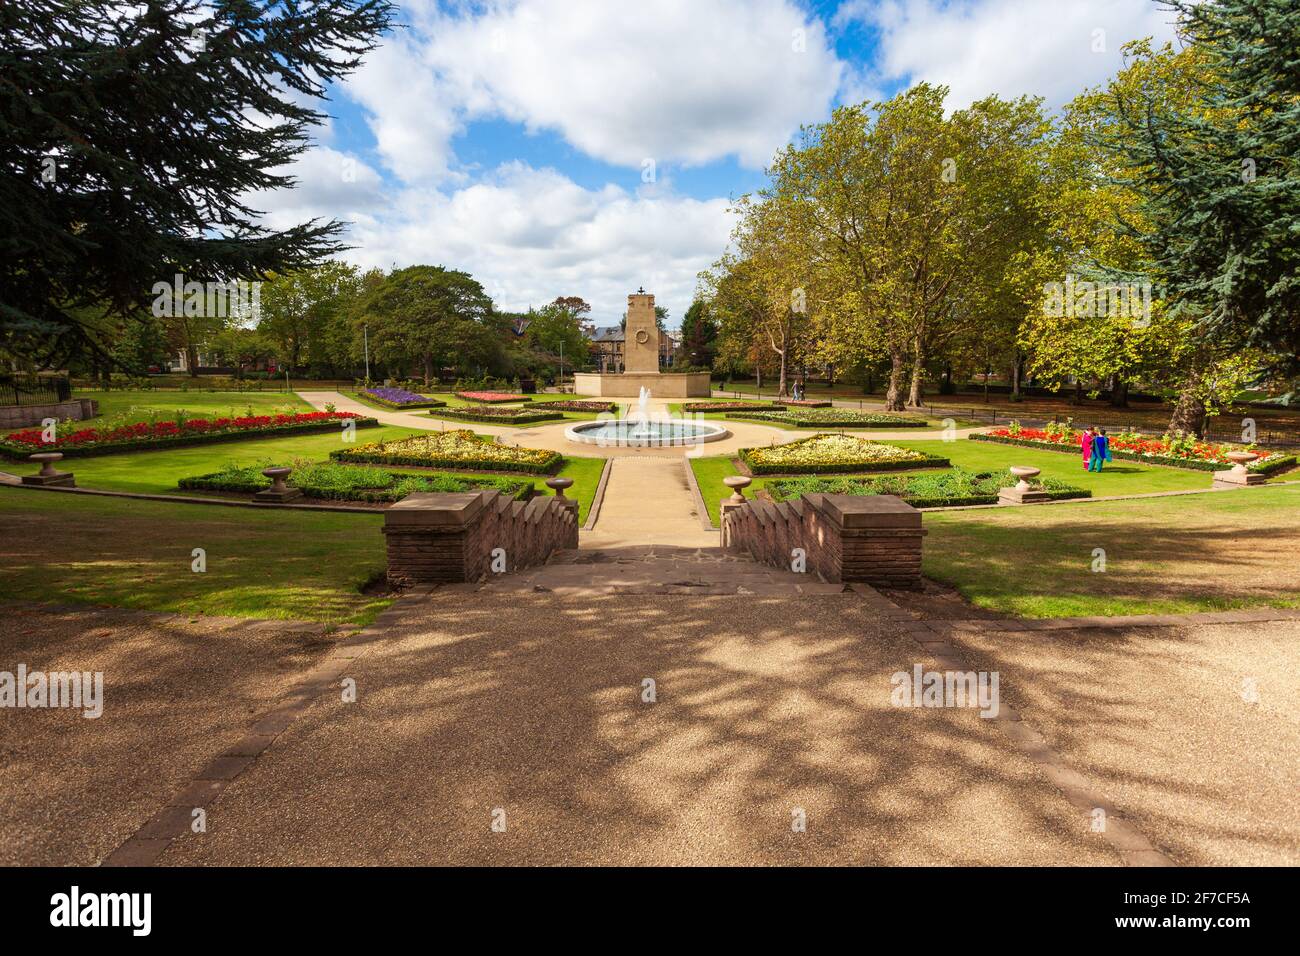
(580, 406)
(830, 418)
(1174, 452)
(803, 402)
(492, 398)
(142, 436)
(334, 482)
(399, 398)
(943, 490)
(722, 407)
(453, 449)
(503, 416)
(822, 454)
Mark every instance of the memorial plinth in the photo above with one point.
(641, 362)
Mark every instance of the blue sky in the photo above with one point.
(583, 147)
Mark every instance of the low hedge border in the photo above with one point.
(548, 467)
(1286, 461)
(520, 418)
(17, 453)
(519, 490)
(579, 406)
(792, 418)
(503, 400)
(803, 403)
(842, 468)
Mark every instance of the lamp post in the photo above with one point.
(365, 335)
(561, 365)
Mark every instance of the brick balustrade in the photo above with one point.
(443, 538)
(871, 538)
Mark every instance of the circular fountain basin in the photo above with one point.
(674, 431)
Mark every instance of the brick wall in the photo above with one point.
(871, 538)
(443, 538)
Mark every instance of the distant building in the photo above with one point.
(607, 349)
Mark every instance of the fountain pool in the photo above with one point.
(638, 429)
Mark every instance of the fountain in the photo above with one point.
(637, 429)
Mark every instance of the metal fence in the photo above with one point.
(34, 390)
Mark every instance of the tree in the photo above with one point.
(134, 137)
(430, 315)
(556, 330)
(304, 313)
(698, 333)
(1216, 181)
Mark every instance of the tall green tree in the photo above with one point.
(132, 138)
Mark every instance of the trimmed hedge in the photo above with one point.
(1272, 467)
(567, 405)
(18, 453)
(509, 416)
(388, 486)
(803, 403)
(830, 418)
(506, 459)
(919, 491)
(831, 463)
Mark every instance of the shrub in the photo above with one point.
(504, 416)
(399, 398)
(453, 449)
(830, 418)
(334, 482)
(819, 454)
(944, 489)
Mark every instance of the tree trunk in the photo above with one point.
(1015, 378)
(1078, 392)
(428, 369)
(192, 359)
(781, 376)
(918, 378)
(1189, 412)
(1119, 393)
(894, 395)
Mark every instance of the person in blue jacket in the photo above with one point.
(1100, 451)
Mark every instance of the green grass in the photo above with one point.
(137, 405)
(1163, 555)
(1119, 478)
(310, 566)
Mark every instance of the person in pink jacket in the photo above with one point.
(1085, 440)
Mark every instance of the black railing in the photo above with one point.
(34, 390)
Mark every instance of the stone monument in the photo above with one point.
(641, 362)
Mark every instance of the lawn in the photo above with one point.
(137, 405)
(1119, 478)
(1162, 555)
(310, 566)
(157, 472)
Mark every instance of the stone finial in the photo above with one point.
(1023, 493)
(1024, 473)
(1238, 474)
(279, 490)
(558, 485)
(737, 484)
(49, 475)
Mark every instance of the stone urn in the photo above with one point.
(558, 485)
(1024, 473)
(279, 490)
(737, 484)
(1240, 459)
(1023, 493)
(49, 475)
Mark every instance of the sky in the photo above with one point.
(591, 147)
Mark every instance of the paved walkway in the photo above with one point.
(648, 501)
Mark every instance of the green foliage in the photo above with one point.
(942, 489)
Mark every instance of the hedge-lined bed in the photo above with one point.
(830, 418)
(1200, 456)
(399, 398)
(145, 436)
(692, 407)
(493, 398)
(802, 403)
(453, 449)
(496, 415)
(829, 454)
(332, 481)
(947, 489)
(568, 405)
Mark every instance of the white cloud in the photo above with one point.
(1008, 47)
(677, 80)
(527, 234)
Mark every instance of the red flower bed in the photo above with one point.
(1200, 455)
(153, 434)
(491, 397)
